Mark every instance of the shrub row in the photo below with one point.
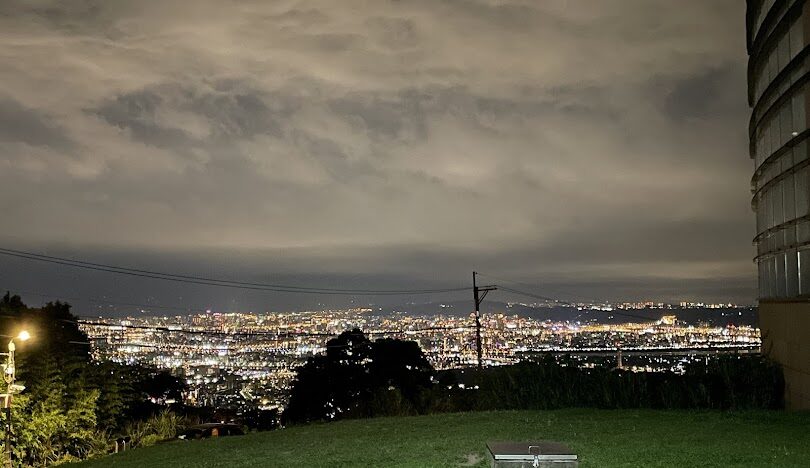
(724, 382)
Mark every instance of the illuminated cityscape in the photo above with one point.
(405, 233)
(230, 359)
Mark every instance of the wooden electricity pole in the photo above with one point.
(477, 292)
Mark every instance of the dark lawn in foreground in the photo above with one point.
(602, 438)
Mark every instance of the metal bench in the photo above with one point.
(537, 454)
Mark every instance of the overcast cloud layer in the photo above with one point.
(596, 145)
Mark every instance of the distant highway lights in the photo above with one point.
(9, 374)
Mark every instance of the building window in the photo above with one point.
(804, 272)
(778, 57)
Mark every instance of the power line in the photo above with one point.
(106, 302)
(215, 281)
(555, 300)
(532, 286)
(535, 296)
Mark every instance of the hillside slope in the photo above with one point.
(602, 438)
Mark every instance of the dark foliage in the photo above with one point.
(71, 405)
(726, 382)
(358, 378)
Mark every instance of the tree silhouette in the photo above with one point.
(354, 377)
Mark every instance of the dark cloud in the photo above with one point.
(701, 96)
(577, 144)
(381, 117)
(229, 111)
(136, 112)
(21, 124)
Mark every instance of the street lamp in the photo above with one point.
(9, 374)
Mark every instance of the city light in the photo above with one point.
(224, 356)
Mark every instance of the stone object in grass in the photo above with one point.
(536, 454)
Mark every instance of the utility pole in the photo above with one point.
(478, 298)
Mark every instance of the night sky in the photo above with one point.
(594, 149)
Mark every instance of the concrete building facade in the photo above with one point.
(778, 80)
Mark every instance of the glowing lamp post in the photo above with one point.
(9, 374)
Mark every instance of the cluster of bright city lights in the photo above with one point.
(249, 358)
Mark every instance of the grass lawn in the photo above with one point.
(601, 438)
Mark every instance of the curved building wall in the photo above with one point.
(778, 87)
(778, 90)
